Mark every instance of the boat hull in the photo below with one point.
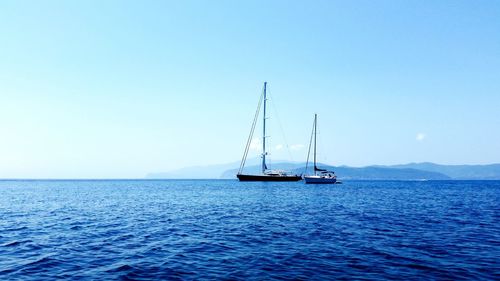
(320, 180)
(268, 177)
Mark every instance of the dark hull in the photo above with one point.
(268, 178)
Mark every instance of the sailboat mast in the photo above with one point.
(315, 128)
(264, 133)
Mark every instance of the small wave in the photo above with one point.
(16, 229)
(39, 264)
(420, 267)
(15, 243)
(42, 260)
(121, 268)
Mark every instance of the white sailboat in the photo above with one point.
(320, 176)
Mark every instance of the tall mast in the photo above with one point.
(315, 126)
(264, 133)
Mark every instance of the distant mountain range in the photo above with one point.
(411, 171)
(458, 172)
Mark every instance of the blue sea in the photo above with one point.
(224, 229)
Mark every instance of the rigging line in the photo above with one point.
(281, 128)
(309, 151)
(247, 147)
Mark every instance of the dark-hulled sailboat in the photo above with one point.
(266, 174)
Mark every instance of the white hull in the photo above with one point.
(320, 179)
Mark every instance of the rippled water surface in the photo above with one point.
(223, 229)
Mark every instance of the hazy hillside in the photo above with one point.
(411, 171)
(364, 173)
(491, 171)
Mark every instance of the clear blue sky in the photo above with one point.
(118, 89)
